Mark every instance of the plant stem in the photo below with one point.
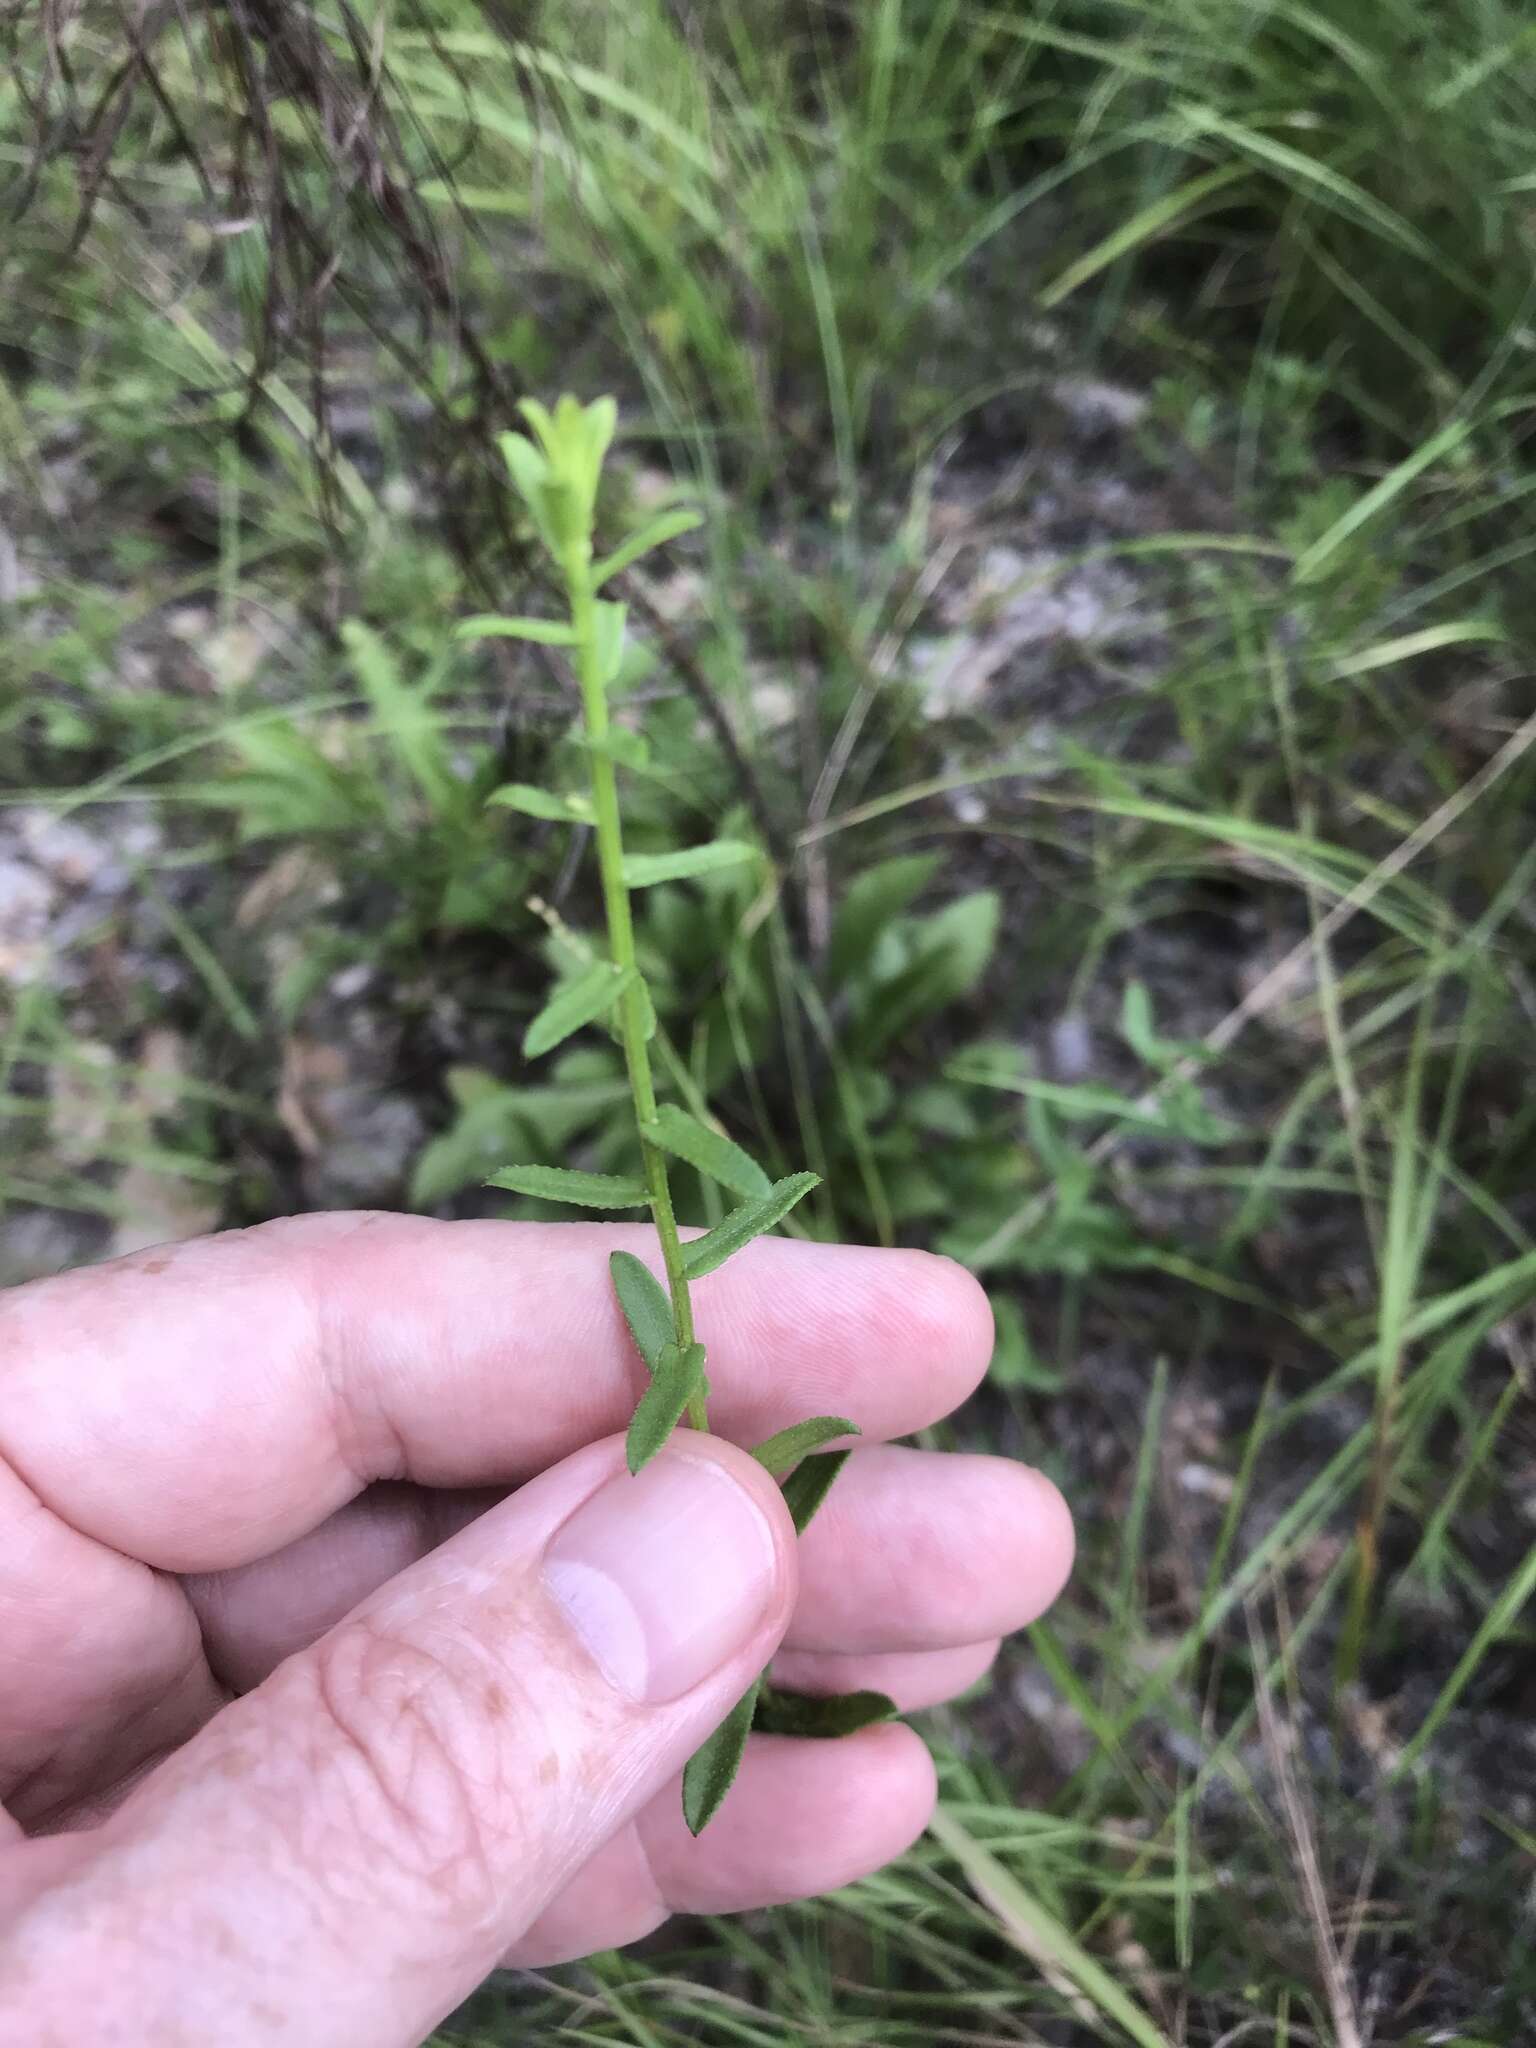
(634, 1005)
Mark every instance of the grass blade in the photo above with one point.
(1053, 1949)
(1499, 1617)
(1152, 220)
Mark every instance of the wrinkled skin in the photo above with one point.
(294, 1745)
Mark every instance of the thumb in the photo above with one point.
(343, 1854)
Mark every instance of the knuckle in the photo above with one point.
(408, 1754)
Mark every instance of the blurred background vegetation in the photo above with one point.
(1113, 619)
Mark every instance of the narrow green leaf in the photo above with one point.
(675, 1378)
(745, 1223)
(602, 416)
(641, 870)
(1038, 1934)
(682, 1135)
(561, 1184)
(654, 534)
(529, 472)
(646, 1308)
(542, 803)
(816, 1717)
(538, 416)
(608, 635)
(711, 1770)
(491, 626)
(809, 1484)
(1172, 208)
(790, 1445)
(595, 990)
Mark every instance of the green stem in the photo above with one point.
(634, 1006)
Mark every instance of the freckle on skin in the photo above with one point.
(549, 1770)
(155, 1266)
(495, 1702)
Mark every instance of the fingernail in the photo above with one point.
(664, 1575)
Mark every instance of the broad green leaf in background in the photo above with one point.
(776, 1453)
(1139, 1030)
(1015, 1364)
(593, 992)
(745, 1223)
(870, 902)
(711, 1770)
(644, 870)
(561, 1184)
(809, 1484)
(492, 1120)
(682, 1135)
(403, 712)
(947, 955)
(675, 1379)
(618, 743)
(646, 1308)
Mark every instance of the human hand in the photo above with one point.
(307, 1721)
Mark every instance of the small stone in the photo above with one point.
(1071, 1047)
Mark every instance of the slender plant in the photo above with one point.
(556, 472)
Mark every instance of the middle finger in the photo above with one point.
(913, 1551)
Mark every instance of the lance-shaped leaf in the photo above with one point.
(562, 1184)
(595, 990)
(816, 1717)
(745, 1223)
(664, 527)
(675, 1379)
(789, 1446)
(530, 473)
(808, 1485)
(682, 1135)
(646, 1308)
(492, 626)
(608, 638)
(644, 870)
(711, 1770)
(542, 803)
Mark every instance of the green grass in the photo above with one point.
(1265, 1252)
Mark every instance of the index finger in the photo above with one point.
(198, 1405)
